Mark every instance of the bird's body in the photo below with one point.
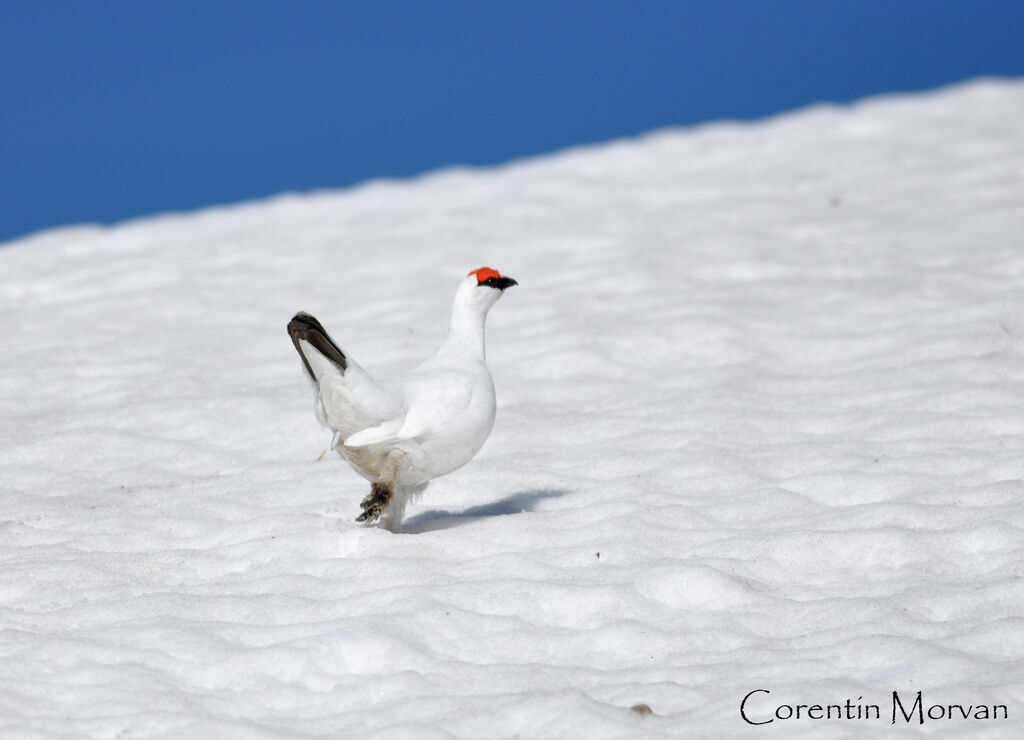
(401, 435)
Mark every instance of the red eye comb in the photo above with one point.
(484, 273)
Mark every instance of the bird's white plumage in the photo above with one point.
(433, 421)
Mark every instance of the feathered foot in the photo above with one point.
(391, 519)
(376, 503)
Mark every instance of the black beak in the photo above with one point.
(500, 283)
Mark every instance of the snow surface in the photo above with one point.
(761, 424)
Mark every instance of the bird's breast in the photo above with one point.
(456, 431)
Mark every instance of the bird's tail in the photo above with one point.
(306, 332)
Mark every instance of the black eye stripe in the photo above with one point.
(497, 282)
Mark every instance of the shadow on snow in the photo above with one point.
(516, 503)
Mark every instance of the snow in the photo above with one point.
(760, 425)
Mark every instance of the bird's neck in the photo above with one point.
(466, 331)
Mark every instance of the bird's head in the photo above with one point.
(482, 288)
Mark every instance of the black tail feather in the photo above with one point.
(304, 326)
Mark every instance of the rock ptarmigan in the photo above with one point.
(401, 435)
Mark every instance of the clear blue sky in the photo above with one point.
(110, 110)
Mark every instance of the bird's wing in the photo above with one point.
(388, 432)
(433, 400)
(348, 398)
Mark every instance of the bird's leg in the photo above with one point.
(391, 519)
(382, 494)
(375, 504)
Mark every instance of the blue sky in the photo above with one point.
(110, 110)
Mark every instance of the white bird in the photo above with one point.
(401, 435)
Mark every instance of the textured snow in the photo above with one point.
(760, 424)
